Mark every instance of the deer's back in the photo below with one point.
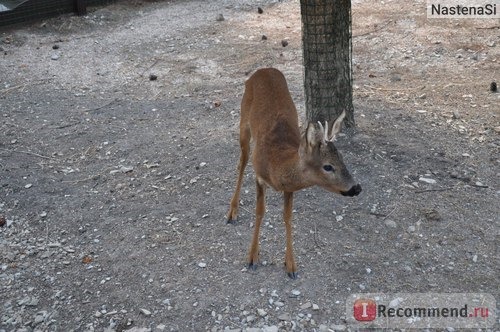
(268, 108)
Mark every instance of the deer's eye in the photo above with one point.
(329, 168)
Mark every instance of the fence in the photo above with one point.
(22, 11)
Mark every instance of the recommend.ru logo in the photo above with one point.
(422, 310)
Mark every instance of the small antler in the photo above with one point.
(326, 137)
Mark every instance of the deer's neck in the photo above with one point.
(291, 172)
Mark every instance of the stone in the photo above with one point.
(390, 223)
(285, 316)
(145, 312)
(306, 305)
(261, 312)
(427, 180)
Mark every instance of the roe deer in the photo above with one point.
(282, 158)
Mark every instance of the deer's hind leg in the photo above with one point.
(260, 209)
(245, 136)
(291, 267)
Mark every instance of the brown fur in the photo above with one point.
(282, 158)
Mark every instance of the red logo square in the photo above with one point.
(365, 310)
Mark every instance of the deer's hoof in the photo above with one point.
(252, 266)
(293, 275)
(231, 221)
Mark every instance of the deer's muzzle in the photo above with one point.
(354, 191)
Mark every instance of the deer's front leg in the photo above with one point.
(291, 268)
(253, 255)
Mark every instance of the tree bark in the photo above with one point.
(327, 47)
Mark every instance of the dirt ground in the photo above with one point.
(114, 186)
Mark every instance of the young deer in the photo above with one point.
(282, 158)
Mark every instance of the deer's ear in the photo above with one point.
(314, 134)
(337, 125)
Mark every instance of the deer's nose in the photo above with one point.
(354, 191)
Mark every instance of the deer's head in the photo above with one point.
(324, 164)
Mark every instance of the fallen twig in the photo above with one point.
(93, 177)
(101, 107)
(27, 152)
(149, 68)
(372, 31)
(12, 88)
(387, 216)
(488, 28)
(20, 86)
(430, 190)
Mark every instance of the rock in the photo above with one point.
(29, 301)
(493, 87)
(338, 327)
(126, 169)
(145, 312)
(261, 312)
(411, 229)
(219, 18)
(250, 329)
(272, 328)
(315, 307)
(202, 264)
(250, 318)
(395, 302)
(306, 305)
(285, 316)
(40, 317)
(427, 180)
(390, 223)
(260, 10)
(295, 292)
(122, 169)
(153, 77)
(55, 57)
(29, 185)
(323, 328)
(264, 37)
(284, 43)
